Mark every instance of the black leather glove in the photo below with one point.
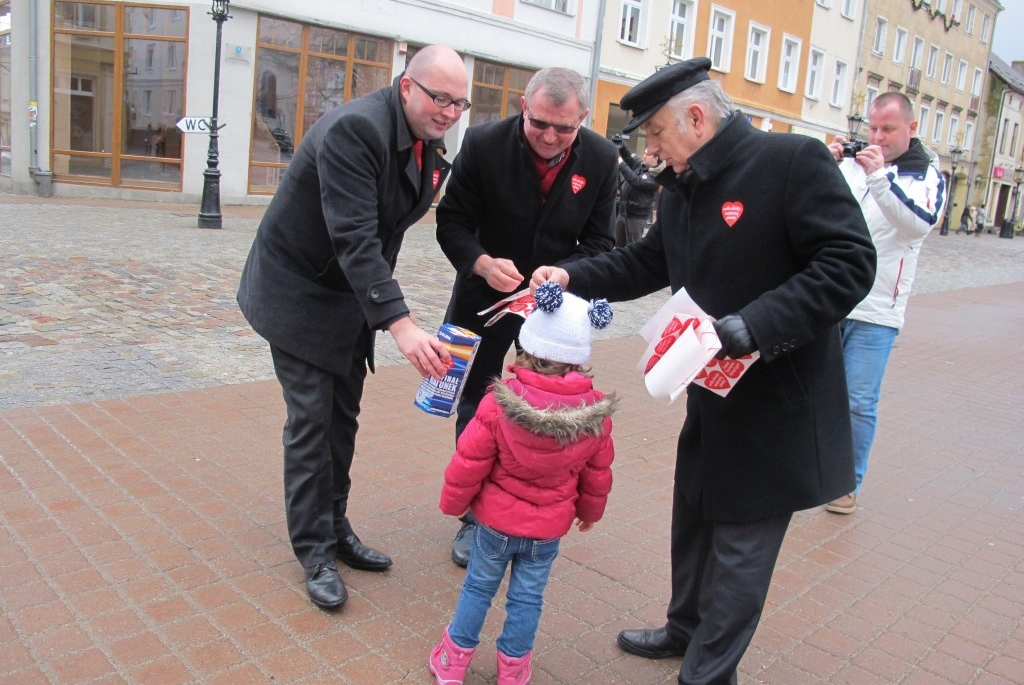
(735, 337)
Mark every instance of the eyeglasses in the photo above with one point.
(559, 128)
(444, 101)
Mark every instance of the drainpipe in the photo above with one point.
(595, 67)
(43, 178)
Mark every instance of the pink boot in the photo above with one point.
(449, 662)
(514, 670)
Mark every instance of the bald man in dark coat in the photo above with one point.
(319, 282)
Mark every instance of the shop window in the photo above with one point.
(5, 88)
(497, 91)
(302, 71)
(118, 91)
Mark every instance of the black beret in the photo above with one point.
(647, 97)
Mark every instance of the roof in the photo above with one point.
(1005, 71)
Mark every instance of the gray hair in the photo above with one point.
(558, 85)
(717, 103)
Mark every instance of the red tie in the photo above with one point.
(417, 151)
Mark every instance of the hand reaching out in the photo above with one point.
(428, 355)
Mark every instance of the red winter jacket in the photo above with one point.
(536, 456)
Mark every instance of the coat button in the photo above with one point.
(776, 350)
(374, 294)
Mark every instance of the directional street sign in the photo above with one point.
(195, 124)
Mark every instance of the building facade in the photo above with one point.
(936, 52)
(93, 91)
(1003, 144)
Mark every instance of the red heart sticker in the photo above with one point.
(577, 183)
(731, 212)
(651, 362)
(731, 367)
(717, 380)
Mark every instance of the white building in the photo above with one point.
(91, 92)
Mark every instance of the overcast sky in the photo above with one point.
(1006, 41)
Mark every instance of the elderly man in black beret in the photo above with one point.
(765, 236)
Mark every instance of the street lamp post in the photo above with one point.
(209, 210)
(855, 121)
(954, 158)
(1007, 229)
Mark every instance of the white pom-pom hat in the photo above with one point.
(559, 329)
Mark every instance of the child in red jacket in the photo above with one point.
(536, 456)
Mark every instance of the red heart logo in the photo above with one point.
(651, 362)
(731, 212)
(716, 380)
(731, 367)
(577, 183)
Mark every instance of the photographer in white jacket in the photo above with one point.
(902, 194)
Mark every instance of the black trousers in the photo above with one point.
(319, 441)
(720, 578)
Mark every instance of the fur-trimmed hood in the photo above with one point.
(566, 424)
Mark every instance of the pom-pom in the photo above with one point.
(548, 296)
(600, 313)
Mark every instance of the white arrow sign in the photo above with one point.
(195, 125)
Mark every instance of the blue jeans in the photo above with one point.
(866, 348)
(531, 565)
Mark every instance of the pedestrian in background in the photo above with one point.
(319, 283)
(638, 193)
(902, 194)
(534, 188)
(779, 259)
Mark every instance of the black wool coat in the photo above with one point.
(492, 205)
(321, 268)
(762, 224)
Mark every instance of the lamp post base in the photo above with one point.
(209, 210)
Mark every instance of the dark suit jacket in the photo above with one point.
(493, 205)
(794, 262)
(322, 265)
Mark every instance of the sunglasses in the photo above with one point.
(541, 125)
(444, 101)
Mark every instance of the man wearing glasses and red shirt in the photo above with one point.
(532, 189)
(319, 283)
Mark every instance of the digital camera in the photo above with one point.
(619, 138)
(852, 147)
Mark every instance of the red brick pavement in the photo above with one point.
(143, 539)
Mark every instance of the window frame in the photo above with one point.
(947, 68)
(815, 73)
(727, 37)
(633, 8)
(789, 67)
(881, 36)
(688, 24)
(758, 71)
(840, 74)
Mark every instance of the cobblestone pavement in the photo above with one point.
(104, 299)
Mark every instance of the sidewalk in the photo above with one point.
(142, 535)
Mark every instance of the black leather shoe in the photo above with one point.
(463, 544)
(652, 644)
(357, 555)
(323, 583)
